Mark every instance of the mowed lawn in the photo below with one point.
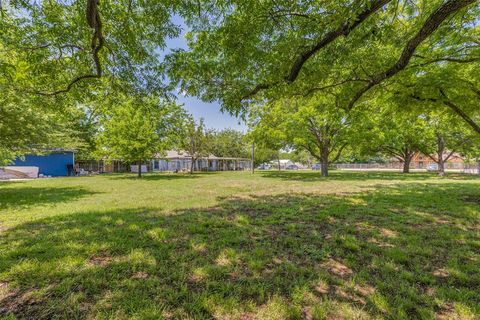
(274, 245)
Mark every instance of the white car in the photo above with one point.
(264, 166)
(432, 167)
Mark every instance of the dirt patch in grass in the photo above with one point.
(441, 273)
(24, 304)
(140, 275)
(322, 287)
(388, 233)
(337, 268)
(381, 244)
(364, 290)
(8, 299)
(195, 278)
(448, 312)
(430, 291)
(307, 313)
(348, 296)
(101, 259)
(3, 290)
(248, 316)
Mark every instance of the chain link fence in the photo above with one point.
(472, 168)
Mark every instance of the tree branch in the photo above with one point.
(431, 24)
(339, 153)
(449, 155)
(460, 112)
(447, 59)
(394, 152)
(343, 30)
(97, 43)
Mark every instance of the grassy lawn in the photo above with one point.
(275, 245)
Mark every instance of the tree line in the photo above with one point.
(328, 78)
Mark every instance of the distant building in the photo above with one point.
(54, 163)
(182, 161)
(421, 161)
(171, 161)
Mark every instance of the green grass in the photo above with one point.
(275, 245)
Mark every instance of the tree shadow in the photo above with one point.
(400, 251)
(160, 176)
(338, 175)
(14, 197)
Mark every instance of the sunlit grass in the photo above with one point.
(274, 245)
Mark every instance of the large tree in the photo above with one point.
(28, 126)
(398, 134)
(229, 143)
(288, 47)
(57, 55)
(450, 84)
(447, 137)
(53, 47)
(137, 128)
(315, 125)
(196, 140)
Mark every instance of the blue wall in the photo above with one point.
(53, 164)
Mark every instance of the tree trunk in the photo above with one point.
(324, 168)
(440, 153)
(253, 158)
(406, 164)
(191, 167)
(441, 167)
(324, 162)
(279, 168)
(139, 168)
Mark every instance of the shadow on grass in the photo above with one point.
(15, 197)
(397, 252)
(339, 175)
(160, 176)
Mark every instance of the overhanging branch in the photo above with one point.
(431, 24)
(97, 43)
(343, 30)
(460, 112)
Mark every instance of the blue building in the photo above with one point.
(54, 163)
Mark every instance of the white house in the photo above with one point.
(182, 161)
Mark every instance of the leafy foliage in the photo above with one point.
(230, 143)
(28, 126)
(138, 128)
(296, 47)
(196, 140)
(314, 125)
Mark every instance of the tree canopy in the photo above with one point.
(295, 47)
(196, 140)
(136, 129)
(295, 67)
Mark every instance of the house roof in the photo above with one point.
(176, 154)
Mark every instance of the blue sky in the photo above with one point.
(214, 118)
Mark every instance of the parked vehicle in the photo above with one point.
(432, 167)
(292, 167)
(264, 166)
(317, 166)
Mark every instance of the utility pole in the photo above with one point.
(253, 157)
